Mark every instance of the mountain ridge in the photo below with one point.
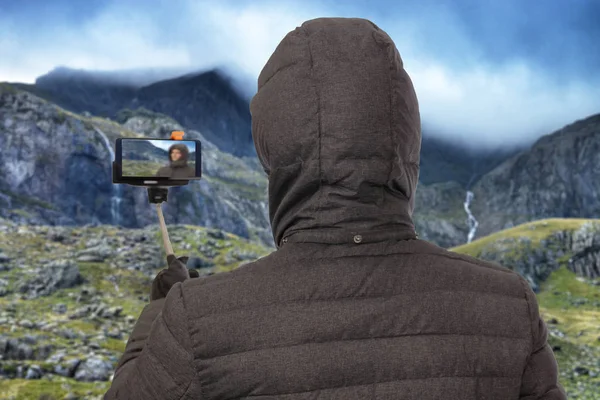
(82, 91)
(556, 177)
(440, 214)
(229, 125)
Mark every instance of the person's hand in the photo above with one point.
(176, 272)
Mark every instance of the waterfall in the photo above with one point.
(117, 191)
(471, 221)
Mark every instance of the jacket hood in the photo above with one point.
(184, 155)
(336, 126)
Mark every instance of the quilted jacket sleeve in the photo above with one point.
(540, 376)
(158, 359)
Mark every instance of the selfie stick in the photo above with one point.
(163, 230)
(157, 195)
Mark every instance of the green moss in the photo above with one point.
(24, 389)
(81, 325)
(20, 212)
(59, 117)
(9, 368)
(556, 301)
(115, 345)
(141, 168)
(7, 88)
(28, 200)
(251, 192)
(88, 125)
(44, 158)
(534, 232)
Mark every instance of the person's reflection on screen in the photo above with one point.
(178, 167)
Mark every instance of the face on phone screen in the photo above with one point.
(147, 158)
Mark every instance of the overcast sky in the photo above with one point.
(493, 71)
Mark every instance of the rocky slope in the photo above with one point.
(559, 176)
(439, 214)
(69, 296)
(536, 249)
(55, 168)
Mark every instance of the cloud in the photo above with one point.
(473, 87)
(510, 106)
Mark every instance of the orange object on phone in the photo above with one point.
(177, 135)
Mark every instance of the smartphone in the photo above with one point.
(165, 162)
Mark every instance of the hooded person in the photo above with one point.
(178, 167)
(351, 305)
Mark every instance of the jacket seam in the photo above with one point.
(391, 106)
(319, 122)
(360, 340)
(529, 309)
(531, 322)
(381, 382)
(451, 257)
(344, 298)
(187, 389)
(191, 352)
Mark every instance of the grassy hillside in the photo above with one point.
(86, 304)
(69, 295)
(569, 304)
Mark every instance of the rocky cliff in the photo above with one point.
(56, 169)
(554, 178)
(559, 176)
(207, 102)
(536, 249)
(204, 101)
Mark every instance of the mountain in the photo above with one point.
(55, 168)
(61, 175)
(447, 171)
(510, 186)
(206, 102)
(143, 150)
(559, 176)
(69, 294)
(445, 160)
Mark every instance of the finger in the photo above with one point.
(175, 263)
(183, 259)
(159, 287)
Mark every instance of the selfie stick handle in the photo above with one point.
(158, 196)
(163, 231)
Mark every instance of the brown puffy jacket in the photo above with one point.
(351, 305)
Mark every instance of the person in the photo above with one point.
(178, 167)
(352, 304)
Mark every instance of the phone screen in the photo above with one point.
(151, 158)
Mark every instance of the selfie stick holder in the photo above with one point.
(157, 195)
